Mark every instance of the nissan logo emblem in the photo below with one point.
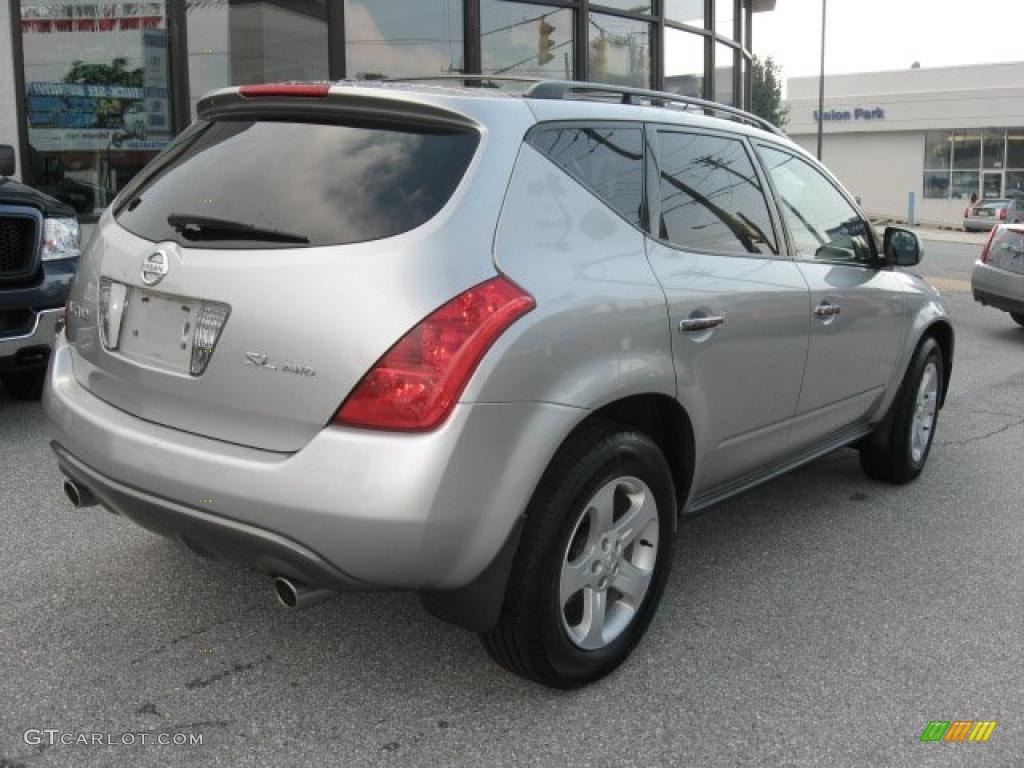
(155, 267)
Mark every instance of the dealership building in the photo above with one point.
(90, 91)
(938, 134)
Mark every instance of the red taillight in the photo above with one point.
(299, 90)
(988, 244)
(415, 385)
(1002, 214)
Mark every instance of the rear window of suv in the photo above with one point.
(273, 184)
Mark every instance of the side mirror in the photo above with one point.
(902, 247)
(7, 164)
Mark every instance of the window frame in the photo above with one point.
(877, 262)
(645, 207)
(653, 187)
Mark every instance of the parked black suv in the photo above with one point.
(39, 247)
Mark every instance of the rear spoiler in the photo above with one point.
(327, 102)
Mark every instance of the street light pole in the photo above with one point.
(821, 82)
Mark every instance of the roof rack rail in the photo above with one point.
(566, 89)
(482, 79)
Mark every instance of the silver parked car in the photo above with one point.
(991, 213)
(485, 345)
(997, 279)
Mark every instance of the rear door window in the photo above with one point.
(711, 197)
(607, 160)
(273, 183)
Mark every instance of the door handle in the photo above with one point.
(697, 324)
(827, 309)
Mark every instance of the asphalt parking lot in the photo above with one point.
(823, 619)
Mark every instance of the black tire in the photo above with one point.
(24, 385)
(530, 638)
(1018, 317)
(888, 455)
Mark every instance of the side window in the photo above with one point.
(711, 197)
(607, 160)
(822, 224)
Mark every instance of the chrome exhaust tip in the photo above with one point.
(79, 496)
(295, 594)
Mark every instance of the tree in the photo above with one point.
(104, 74)
(766, 92)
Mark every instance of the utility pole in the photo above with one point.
(821, 82)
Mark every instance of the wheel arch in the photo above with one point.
(667, 423)
(477, 605)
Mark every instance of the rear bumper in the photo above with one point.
(980, 224)
(425, 511)
(206, 533)
(999, 288)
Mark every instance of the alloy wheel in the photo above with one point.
(609, 563)
(925, 408)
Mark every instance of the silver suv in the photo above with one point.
(483, 344)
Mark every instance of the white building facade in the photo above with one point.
(939, 134)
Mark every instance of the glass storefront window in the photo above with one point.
(993, 149)
(633, 6)
(620, 51)
(937, 149)
(392, 38)
(724, 66)
(966, 151)
(1015, 148)
(233, 42)
(1015, 185)
(96, 95)
(991, 184)
(684, 62)
(725, 15)
(977, 159)
(964, 184)
(685, 12)
(936, 185)
(526, 39)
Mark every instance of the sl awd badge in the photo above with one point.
(261, 360)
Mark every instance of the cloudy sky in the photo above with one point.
(872, 35)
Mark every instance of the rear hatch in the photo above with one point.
(1006, 250)
(256, 270)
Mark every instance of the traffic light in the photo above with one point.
(545, 44)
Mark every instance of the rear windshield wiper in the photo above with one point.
(210, 228)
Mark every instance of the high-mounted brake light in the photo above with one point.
(988, 244)
(415, 385)
(297, 90)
